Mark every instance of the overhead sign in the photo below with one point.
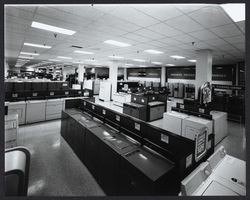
(181, 73)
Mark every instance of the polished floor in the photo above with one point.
(53, 162)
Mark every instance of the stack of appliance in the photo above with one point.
(146, 107)
(189, 91)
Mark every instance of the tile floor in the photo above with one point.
(53, 162)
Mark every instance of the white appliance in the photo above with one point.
(105, 91)
(11, 130)
(19, 108)
(220, 125)
(170, 104)
(76, 86)
(35, 111)
(120, 98)
(196, 122)
(54, 109)
(88, 84)
(220, 175)
(172, 121)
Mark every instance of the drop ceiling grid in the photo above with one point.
(148, 42)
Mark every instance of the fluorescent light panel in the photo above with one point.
(153, 51)
(142, 66)
(83, 52)
(64, 57)
(157, 63)
(25, 57)
(177, 57)
(128, 64)
(116, 43)
(236, 11)
(116, 57)
(37, 45)
(27, 53)
(139, 60)
(55, 60)
(170, 64)
(192, 61)
(52, 28)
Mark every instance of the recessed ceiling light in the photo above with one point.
(116, 43)
(170, 64)
(177, 57)
(90, 60)
(116, 57)
(139, 60)
(128, 64)
(64, 57)
(83, 52)
(25, 57)
(142, 66)
(27, 53)
(52, 28)
(236, 11)
(157, 63)
(37, 45)
(192, 61)
(56, 60)
(153, 51)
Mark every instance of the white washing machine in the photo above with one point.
(220, 175)
(195, 123)
(172, 121)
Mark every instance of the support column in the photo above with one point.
(81, 71)
(125, 74)
(113, 73)
(203, 69)
(163, 76)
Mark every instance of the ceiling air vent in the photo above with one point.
(78, 47)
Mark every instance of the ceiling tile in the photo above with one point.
(136, 37)
(134, 16)
(184, 24)
(226, 30)
(149, 34)
(184, 38)
(211, 16)
(216, 42)
(235, 39)
(161, 12)
(170, 41)
(241, 25)
(203, 35)
(12, 11)
(187, 8)
(164, 29)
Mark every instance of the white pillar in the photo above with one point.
(81, 71)
(203, 69)
(113, 73)
(125, 74)
(163, 76)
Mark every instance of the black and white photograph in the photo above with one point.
(124, 99)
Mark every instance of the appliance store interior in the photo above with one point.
(124, 100)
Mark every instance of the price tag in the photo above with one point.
(153, 98)
(164, 138)
(189, 160)
(93, 107)
(51, 93)
(182, 106)
(15, 95)
(137, 126)
(66, 92)
(201, 110)
(134, 99)
(84, 103)
(79, 92)
(117, 117)
(104, 112)
(142, 100)
(65, 84)
(34, 94)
